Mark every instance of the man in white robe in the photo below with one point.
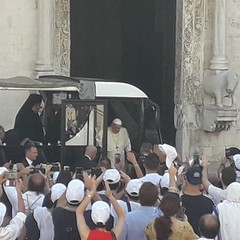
(118, 142)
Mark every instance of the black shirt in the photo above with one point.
(196, 206)
(33, 233)
(65, 224)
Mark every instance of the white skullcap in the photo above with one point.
(100, 212)
(117, 121)
(57, 191)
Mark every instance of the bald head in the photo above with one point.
(91, 151)
(36, 183)
(209, 226)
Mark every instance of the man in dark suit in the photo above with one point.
(31, 154)
(86, 161)
(30, 161)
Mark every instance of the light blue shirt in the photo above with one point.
(137, 221)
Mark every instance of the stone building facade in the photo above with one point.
(35, 40)
(207, 53)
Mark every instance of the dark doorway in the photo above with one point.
(131, 41)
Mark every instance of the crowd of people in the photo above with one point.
(98, 201)
(150, 195)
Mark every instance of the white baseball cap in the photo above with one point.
(112, 176)
(75, 192)
(100, 212)
(236, 159)
(133, 187)
(57, 191)
(170, 152)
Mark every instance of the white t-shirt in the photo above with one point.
(11, 193)
(217, 194)
(32, 200)
(12, 230)
(44, 221)
(154, 178)
(124, 206)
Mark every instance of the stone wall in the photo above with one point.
(214, 143)
(195, 38)
(18, 24)
(18, 48)
(24, 52)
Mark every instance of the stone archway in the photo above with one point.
(189, 65)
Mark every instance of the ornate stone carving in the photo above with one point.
(214, 119)
(62, 38)
(221, 84)
(189, 72)
(178, 62)
(189, 85)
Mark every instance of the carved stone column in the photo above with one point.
(219, 82)
(62, 37)
(189, 74)
(44, 62)
(219, 60)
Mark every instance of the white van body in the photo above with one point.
(14, 91)
(140, 115)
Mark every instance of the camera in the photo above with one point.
(55, 167)
(141, 158)
(196, 159)
(97, 171)
(79, 173)
(117, 158)
(11, 176)
(66, 168)
(38, 169)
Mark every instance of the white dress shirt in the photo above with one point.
(154, 178)
(12, 230)
(29, 161)
(44, 221)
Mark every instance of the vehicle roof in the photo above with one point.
(101, 87)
